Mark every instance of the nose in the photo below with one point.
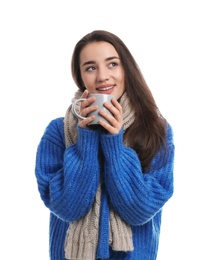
(103, 74)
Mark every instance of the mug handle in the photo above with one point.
(74, 108)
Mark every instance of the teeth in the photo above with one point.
(107, 88)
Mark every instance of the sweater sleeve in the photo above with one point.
(137, 197)
(67, 178)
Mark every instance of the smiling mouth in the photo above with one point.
(105, 88)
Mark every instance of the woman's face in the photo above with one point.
(101, 69)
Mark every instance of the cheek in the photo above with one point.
(121, 78)
(88, 81)
(85, 79)
(121, 75)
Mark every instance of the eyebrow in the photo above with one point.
(107, 59)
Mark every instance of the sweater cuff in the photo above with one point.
(112, 143)
(87, 139)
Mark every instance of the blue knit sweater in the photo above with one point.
(68, 180)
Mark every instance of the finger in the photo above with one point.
(85, 94)
(86, 107)
(114, 107)
(87, 110)
(110, 129)
(116, 113)
(84, 123)
(116, 104)
(87, 102)
(115, 123)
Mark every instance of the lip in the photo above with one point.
(105, 88)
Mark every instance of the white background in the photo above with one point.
(170, 41)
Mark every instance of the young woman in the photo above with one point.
(106, 185)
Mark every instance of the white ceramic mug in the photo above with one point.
(100, 99)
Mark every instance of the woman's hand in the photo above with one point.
(85, 109)
(116, 121)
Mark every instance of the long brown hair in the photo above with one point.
(148, 132)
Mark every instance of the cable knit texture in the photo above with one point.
(68, 180)
(82, 236)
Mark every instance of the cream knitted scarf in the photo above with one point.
(82, 235)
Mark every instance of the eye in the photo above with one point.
(90, 68)
(113, 64)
